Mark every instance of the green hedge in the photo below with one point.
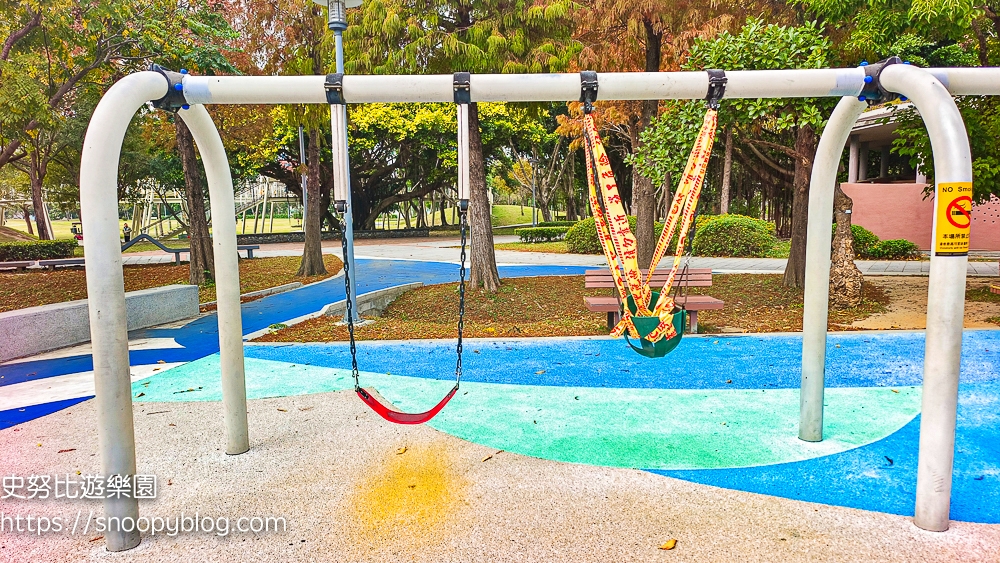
(734, 235)
(582, 236)
(893, 249)
(37, 250)
(557, 223)
(541, 234)
(868, 245)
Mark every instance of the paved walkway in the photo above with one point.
(439, 249)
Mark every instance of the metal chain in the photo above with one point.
(350, 313)
(461, 307)
(461, 299)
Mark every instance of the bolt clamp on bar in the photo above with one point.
(334, 86)
(588, 90)
(174, 99)
(716, 86)
(873, 92)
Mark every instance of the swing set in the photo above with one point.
(649, 314)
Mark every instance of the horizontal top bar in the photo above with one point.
(801, 83)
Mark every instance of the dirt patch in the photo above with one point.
(553, 306)
(908, 304)
(30, 289)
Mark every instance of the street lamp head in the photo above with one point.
(338, 12)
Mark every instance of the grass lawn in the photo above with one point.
(512, 215)
(555, 247)
(29, 289)
(553, 306)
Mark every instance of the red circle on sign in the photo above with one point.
(967, 213)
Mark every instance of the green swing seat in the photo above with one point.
(646, 325)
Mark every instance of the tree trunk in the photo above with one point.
(845, 277)
(27, 218)
(36, 176)
(202, 257)
(643, 192)
(805, 147)
(312, 254)
(727, 168)
(483, 261)
(444, 204)
(572, 209)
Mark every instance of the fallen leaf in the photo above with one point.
(140, 395)
(669, 544)
(889, 459)
(895, 390)
(401, 451)
(95, 539)
(540, 372)
(170, 481)
(306, 409)
(66, 450)
(282, 410)
(171, 424)
(489, 457)
(161, 361)
(729, 381)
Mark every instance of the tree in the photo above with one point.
(51, 52)
(540, 162)
(289, 37)
(438, 36)
(760, 46)
(199, 49)
(650, 36)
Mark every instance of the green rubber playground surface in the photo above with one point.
(637, 428)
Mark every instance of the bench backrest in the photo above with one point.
(693, 277)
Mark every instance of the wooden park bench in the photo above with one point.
(693, 277)
(16, 266)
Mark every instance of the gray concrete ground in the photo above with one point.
(441, 249)
(333, 470)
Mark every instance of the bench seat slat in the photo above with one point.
(692, 302)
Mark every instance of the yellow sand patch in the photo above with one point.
(407, 501)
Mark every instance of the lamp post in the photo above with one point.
(337, 22)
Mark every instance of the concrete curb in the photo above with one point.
(376, 300)
(30, 331)
(264, 292)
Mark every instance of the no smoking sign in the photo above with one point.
(954, 209)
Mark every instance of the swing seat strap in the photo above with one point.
(399, 417)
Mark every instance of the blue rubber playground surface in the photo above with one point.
(721, 411)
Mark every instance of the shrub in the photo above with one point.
(557, 223)
(37, 250)
(541, 234)
(582, 236)
(735, 235)
(893, 249)
(864, 240)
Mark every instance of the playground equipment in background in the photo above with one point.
(930, 90)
